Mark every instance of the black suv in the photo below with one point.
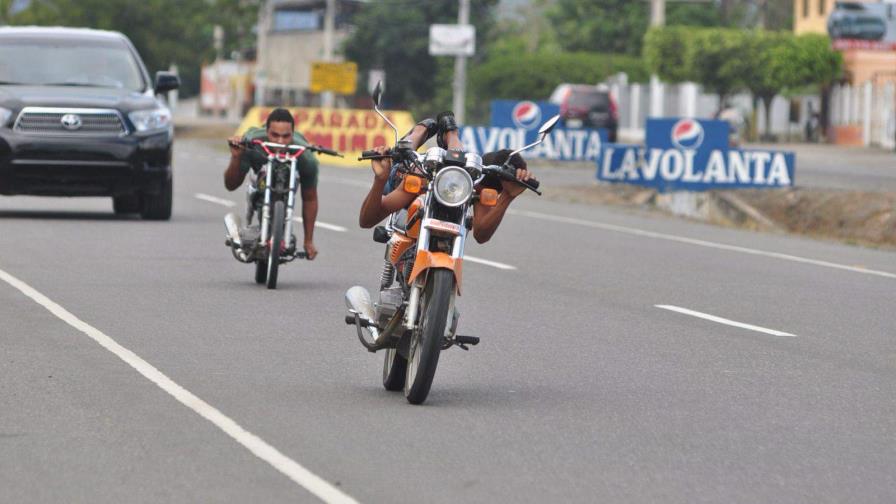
(79, 116)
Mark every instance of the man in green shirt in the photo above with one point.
(279, 128)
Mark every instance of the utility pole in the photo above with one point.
(327, 98)
(218, 36)
(460, 69)
(657, 13)
(657, 20)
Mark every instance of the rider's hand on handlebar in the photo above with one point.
(513, 189)
(381, 167)
(236, 146)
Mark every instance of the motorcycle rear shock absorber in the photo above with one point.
(388, 275)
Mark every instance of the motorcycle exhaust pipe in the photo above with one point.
(357, 299)
(232, 223)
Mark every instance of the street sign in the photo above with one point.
(341, 78)
(452, 40)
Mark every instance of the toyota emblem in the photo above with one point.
(71, 122)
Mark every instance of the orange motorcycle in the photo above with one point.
(415, 318)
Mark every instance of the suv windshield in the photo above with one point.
(589, 100)
(69, 63)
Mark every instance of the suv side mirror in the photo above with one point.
(166, 81)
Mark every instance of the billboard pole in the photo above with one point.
(327, 98)
(460, 69)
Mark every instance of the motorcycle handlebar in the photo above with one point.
(293, 147)
(324, 150)
(509, 174)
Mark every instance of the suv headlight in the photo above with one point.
(5, 114)
(453, 186)
(152, 119)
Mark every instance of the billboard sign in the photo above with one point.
(515, 124)
(341, 78)
(683, 154)
(452, 40)
(349, 131)
(863, 25)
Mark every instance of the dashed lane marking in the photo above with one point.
(725, 321)
(229, 204)
(701, 243)
(311, 482)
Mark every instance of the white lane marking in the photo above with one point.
(228, 204)
(214, 199)
(486, 262)
(702, 243)
(723, 320)
(261, 449)
(324, 225)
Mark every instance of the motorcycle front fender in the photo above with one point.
(426, 260)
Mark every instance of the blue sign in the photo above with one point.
(693, 155)
(515, 124)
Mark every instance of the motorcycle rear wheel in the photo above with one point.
(395, 369)
(278, 222)
(426, 340)
(261, 272)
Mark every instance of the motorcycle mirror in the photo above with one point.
(377, 95)
(542, 134)
(548, 125)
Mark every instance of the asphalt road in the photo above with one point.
(582, 390)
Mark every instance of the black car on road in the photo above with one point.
(79, 116)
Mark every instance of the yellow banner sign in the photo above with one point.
(349, 131)
(340, 78)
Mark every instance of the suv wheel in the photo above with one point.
(158, 206)
(128, 204)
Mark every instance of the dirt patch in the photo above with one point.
(855, 217)
(861, 217)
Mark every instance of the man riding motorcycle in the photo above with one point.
(279, 128)
(382, 201)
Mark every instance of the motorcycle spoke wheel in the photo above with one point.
(278, 222)
(426, 339)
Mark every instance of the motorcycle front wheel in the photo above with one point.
(278, 222)
(426, 339)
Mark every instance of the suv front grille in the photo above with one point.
(79, 122)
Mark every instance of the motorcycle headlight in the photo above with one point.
(5, 114)
(152, 119)
(453, 187)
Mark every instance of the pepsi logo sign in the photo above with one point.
(526, 115)
(687, 134)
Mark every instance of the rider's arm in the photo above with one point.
(235, 174)
(309, 212)
(487, 219)
(377, 207)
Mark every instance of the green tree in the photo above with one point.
(716, 58)
(535, 75)
(395, 38)
(665, 53)
(618, 26)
